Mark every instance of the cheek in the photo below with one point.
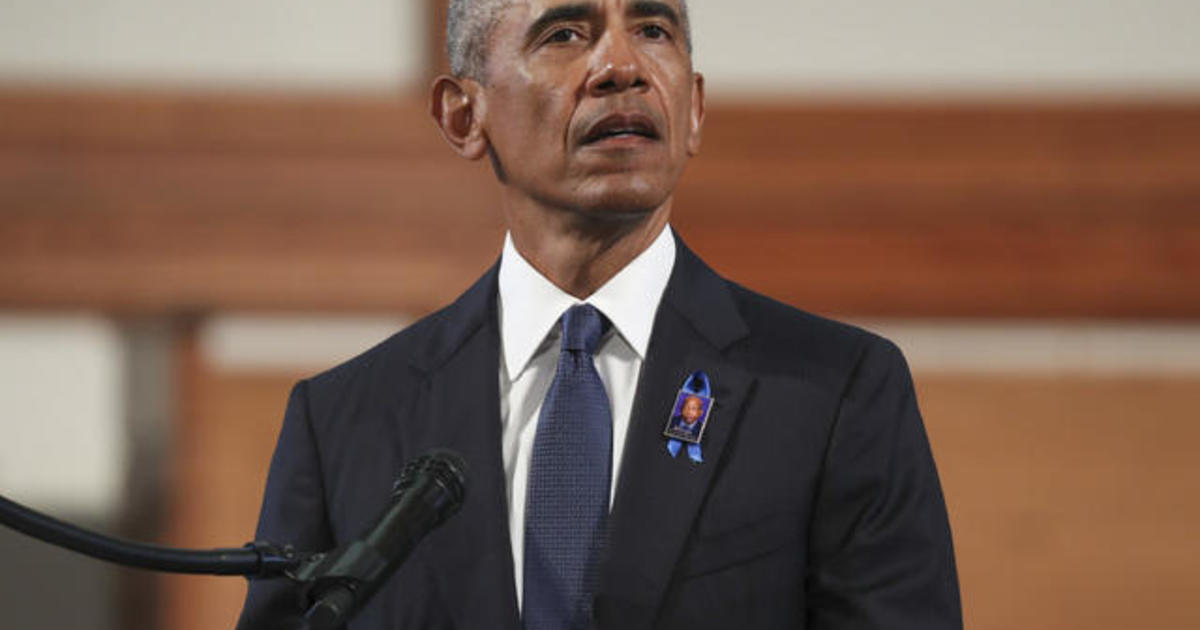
(683, 107)
(675, 79)
(551, 111)
(542, 106)
(533, 112)
(514, 118)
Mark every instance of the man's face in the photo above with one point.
(692, 409)
(592, 105)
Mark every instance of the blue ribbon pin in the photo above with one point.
(696, 385)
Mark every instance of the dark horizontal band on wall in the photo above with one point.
(134, 202)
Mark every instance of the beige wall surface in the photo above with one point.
(62, 413)
(258, 44)
(770, 47)
(947, 47)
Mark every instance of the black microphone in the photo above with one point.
(430, 490)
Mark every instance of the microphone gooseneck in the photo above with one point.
(255, 559)
(430, 490)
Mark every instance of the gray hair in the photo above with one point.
(469, 25)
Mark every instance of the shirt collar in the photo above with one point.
(530, 304)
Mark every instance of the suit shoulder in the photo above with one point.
(395, 366)
(784, 335)
(397, 354)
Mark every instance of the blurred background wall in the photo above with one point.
(202, 202)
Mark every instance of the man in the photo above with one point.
(687, 424)
(811, 500)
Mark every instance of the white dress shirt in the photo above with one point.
(530, 308)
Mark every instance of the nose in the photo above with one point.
(616, 66)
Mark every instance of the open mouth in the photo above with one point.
(619, 126)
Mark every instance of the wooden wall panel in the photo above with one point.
(1071, 498)
(1032, 210)
(178, 203)
(218, 470)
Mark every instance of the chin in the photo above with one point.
(619, 197)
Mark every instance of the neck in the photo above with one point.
(577, 252)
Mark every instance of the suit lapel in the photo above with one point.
(658, 497)
(471, 555)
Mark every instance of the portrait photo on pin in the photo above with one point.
(689, 417)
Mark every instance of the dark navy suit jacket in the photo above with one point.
(817, 504)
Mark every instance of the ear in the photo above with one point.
(457, 107)
(696, 125)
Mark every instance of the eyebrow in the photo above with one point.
(561, 13)
(648, 8)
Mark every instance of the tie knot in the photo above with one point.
(582, 327)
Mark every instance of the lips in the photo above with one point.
(621, 125)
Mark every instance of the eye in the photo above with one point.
(654, 31)
(563, 36)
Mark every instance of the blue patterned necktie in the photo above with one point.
(566, 505)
